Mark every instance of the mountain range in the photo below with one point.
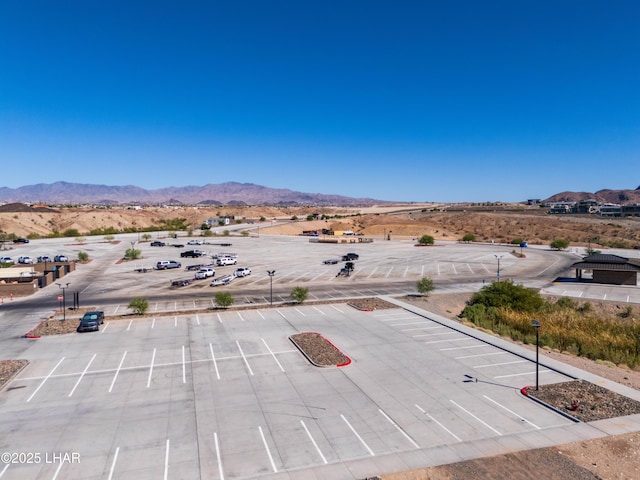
(602, 196)
(229, 193)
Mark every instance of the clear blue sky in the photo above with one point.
(394, 100)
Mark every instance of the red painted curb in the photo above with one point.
(28, 334)
(525, 391)
(344, 364)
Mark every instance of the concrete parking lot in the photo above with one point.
(191, 392)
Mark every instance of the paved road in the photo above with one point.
(225, 395)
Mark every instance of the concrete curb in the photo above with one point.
(344, 364)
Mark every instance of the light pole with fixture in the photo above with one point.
(536, 325)
(64, 303)
(498, 257)
(271, 274)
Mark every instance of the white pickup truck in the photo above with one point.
(205, 273)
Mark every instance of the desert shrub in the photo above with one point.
(425, 286)
(71, 232)
(109, 238)
(226, 233)
(83, 256)
(299, 294)
(139, 305)
(146, 237)
(132, 254)
(559, 244)
(223, 299)
(468, 237)
(426, 240)
(506, 294)
(516, 241)
(566, 302)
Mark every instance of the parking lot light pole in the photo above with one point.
(271, 274)
(536, 324)
(498, 257)
(64, 303)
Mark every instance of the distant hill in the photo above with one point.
(603, 196)
(230, 193)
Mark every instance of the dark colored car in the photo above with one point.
(157, 243)
(192, 253)
(349, 266)
(350, 256)
(20, 240)
(90, 321)
(330, 261)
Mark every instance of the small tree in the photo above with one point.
(469, 237)
(83, 256)
(132, 254)
(207, 233)
(146, 237)
(559, 244)
(139, 305)
(425, 286)
(223, 299)
(426, 240)
(299, 294)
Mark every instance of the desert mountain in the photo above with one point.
(229, 193)
(603, 196)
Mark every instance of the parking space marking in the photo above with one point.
(55, 475)
(520, 417)
(481, 355)
(197, 319)
(4, 469)
(453, 267)
(113, 464)
(272, 354)
(153, 322)
(319, 311)
(410, 323)
(184, 367)
(215, 364)
(336, 309)
(389, 273)
(433, 334)
(502, 363)
(451, 340)
(266, 447)
(405, 434)
(459, 348)
(240, 315)
(244, 358)
(82, 374)
(116, 309)
(129, 326)
(438, 423)
(220, 470)
(422, 328)
(371, 274)
(105, 327)
(113, 382)
(300, 311)
(521, 374)
(166, 461)
(314, 442)
(45, 379)
(475, 417)
(175, 321)
(358, 436)
(219, 318)
(153, 357)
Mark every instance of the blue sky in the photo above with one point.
(403, 100)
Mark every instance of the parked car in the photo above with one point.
(193, 253)
(330, 261)
(20, 240)
(205, 273)
(349, 266)
(178, 245)
(242, 272)
(60, 258)
(181, 283)
(226, 280)
(194, 242)
(350, 256)
(167, 264)
(90, 321)
(25, 259)
(226, 261)
(6, 260)
(157, 243)
(44, 258)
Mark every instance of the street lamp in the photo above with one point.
(536, 324)
(64, 302)
(271, 274)
(498, 257)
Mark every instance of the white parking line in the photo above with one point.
(45, 379)
(240, 315)
(244, 358)
(336, 308)
(300, 311)
(197, 319)
(113, 464)
(219, 317)
(272, 354)
(421, 328)
(502, 363)
(438, 423)
(521, 374)
(406, 435)
(454, 269)
(117, 371)
(314, 442)
(4, 469)
(156, 307)
(260, 313)
(432, 334)
(220, 471)
(175, 321)
(478, 419)
(450, 340)
(105, 327)
(357, 435)
(389, 273)
(215, 364)
(481, 354)
(116, 310)
(371, 274)
(266, 447)
(153, 358)
(320, 311)
(184, 367)
(513, 413)
(166, 462)
(55, 475)
(460, 348)
(82, 374)
(153, 322)
(129, 326)
(605, 297)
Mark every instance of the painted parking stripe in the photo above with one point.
(45, 379)
(197, 319)
(336, 308)
(175, 321)
(129, 326)
(438, 423)
(421, 328)
(357, 435)
(153, 323)
(460, 348)
(105, 327)
(450, 340)
(320, 311)
(113, 382)
(153, 357)
(240, 315)
(272, 354)
(314, 442)
(113, 464)
(501, 363)
(184, 367)
(55, 475)
(482, 354)
(244, 358)
(521, 374)
(478, 419)
(520, 417)
(215, 364)
(220, 471)
(433, 334)
(266, 447)
(4, 469)
(299, 311)
(82, 375)
(166, 461)
(405, 434)
(421, 322)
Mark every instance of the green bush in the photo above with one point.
(559, 244)
(469, 237)
(299, 294)
(426, 240)
(223, 299)
(425, 286)
(83, 256)
(139, 305)
(132, 254)
(508, 295)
